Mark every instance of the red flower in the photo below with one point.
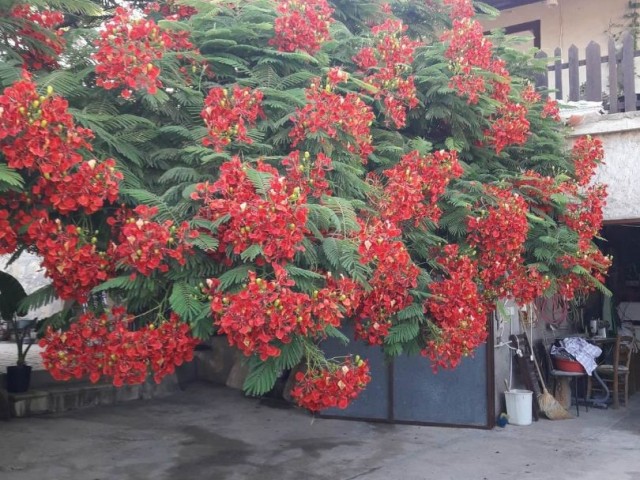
(146, 245)
(386, 65)
(587, 153)
(274, 220)
(345, 118)
(457, 309)
(393, 277)
(227, 115)
(302, 25)
(510, 127)
(106, 345)
(129, 50)
(38, 26)
(331, 386)
(416, 184)
(71, 260)
(267, 314)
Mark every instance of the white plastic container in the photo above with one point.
(519, 406)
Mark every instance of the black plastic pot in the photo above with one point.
(18, 378)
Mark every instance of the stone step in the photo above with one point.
(49, 396)
(62, 398)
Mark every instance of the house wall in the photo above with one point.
(570, 22)
(28, 271)
(620, 135)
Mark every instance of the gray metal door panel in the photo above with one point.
(452, 397)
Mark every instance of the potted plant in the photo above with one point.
(11, 294)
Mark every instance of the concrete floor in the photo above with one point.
(212, 433)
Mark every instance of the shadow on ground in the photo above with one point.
(214, 433)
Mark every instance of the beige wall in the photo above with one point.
(570, 22)
(620, 135)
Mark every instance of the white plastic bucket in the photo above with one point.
(519, 406)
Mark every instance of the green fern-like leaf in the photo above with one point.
(402, 332)
(184, 302)
(413, 311)
(260, 180)
(262, 376)
(38, 298)
(205, 242)
(235, 276)
(122, 282)
(332, 332)
(251, 253)
(290, 354)
(9, 179)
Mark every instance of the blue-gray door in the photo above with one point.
(407, 391)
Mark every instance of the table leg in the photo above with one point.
(616, 399)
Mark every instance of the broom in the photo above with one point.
(547, 402)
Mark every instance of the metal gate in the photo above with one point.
(405, 390)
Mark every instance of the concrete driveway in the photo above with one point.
(213, 433)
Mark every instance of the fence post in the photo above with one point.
(628, 80)
(613, 77)
(574, 78)
(541, 79)
(557, 67)
(593, 89)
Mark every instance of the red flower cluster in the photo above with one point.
(460, 8)
(333, 386)
(529, 95)
(71, 260)
(275, 220)
(88, 188)
(499, 234)
(394, 275)
(39, 26)
(146, 245)
(389, 60)
(538, 189)
(20, 212)
(302, 25)
(586, 217)
(174, 11)
(45, 138)
(457, 309)
(227, 115)
(468, 50)
(510, 127)
(345, 117)
(267, 313)
(128, 52)
(37, 134)
(106, 346)
(501, 86)
(309, 175)
(551, 109)
(416, 184)
(591, 261)
(8, 236)
(587, 153)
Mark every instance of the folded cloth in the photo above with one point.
(584, 352)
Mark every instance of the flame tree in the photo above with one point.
(272, 171)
